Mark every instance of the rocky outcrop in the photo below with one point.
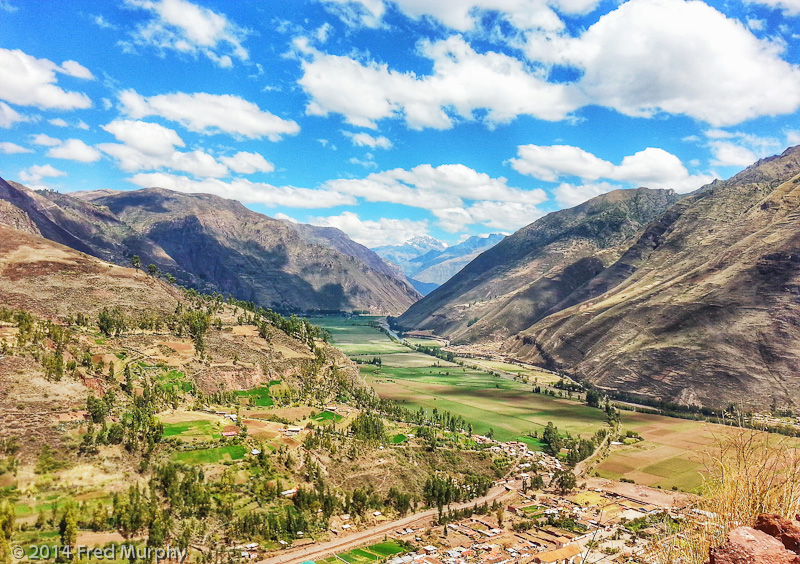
(773, 540)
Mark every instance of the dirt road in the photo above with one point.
(374, 534)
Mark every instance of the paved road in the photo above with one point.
(373, 534)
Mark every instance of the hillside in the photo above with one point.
(525, 276)
(703, 308)
(210, 243)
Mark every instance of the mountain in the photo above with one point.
(437, 267)
(211, 243)
(704, 307)
(401, 255)
(522, 278)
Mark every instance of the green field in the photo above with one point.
(175, 379)
(328, 416)
(201, 429)
(354, 336)
(211, 455)
(374, 553)
(666, 458)
(258, 397)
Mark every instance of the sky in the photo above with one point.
(391, 119)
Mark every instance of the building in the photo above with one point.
(566, 555)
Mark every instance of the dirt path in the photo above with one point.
(373, 534)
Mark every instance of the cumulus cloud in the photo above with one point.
(179, 25)
(245, 191)
(652, 167)
(496, 215)
(737, 148)
(12, 148)
(462, 82)
(147, 138)
(75, 150)
(465, 15)
(367, 140)
(373, 233)
(429, 187)
(788, 7)
(689, 59)
(58, 122)
(151, 146)
(28, 81)
(35, 173)
(248, 163)
(210, 113)
(8, 116)
(45, 140)
(569, 195)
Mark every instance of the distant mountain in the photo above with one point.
(211, 243)
(703, 308)
(437, 267)
(428, 263)
(401, 255)
(519, 280)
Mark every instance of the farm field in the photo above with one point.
(211, 455)
(670, 455)
(417, 380)
(373, 553)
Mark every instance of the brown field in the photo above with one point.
(289, 413)
(262, 429)
(672, 453)
(180, 416)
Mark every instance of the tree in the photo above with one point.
(551, 436)
(565, 481)
(152, 269)
(6, 529)
(592, 398)
(136, 262)
(170, 278)
(68, 530)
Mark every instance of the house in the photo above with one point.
(293, 430)
(567, 555)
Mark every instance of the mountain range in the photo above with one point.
(211, 243)
(429, 263)
(693, 300)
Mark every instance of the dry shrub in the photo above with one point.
(746, 474)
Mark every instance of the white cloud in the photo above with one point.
(731, 154)
(247, 192)
(737, 148)
(434, 188)
(210, 113)
(688, 59)
(36, 172)
(58, 122)
(284, 217)
(496, 215)
(82, 125)
(652, 167)
(28, 81)
(569, 195)
(793, 137)
(182, 26)
(462, 83)
(12, 148)
(147, 138)
(75, 150)
(373, 233)
(464, 15)
(367, 140)
(368, 162)
(756, 24)
(248, 163)
(74, 68)
(788, 7)
(8, 116)
(45, 140)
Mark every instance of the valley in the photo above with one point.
(669, 455)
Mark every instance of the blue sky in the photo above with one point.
(390, 119)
